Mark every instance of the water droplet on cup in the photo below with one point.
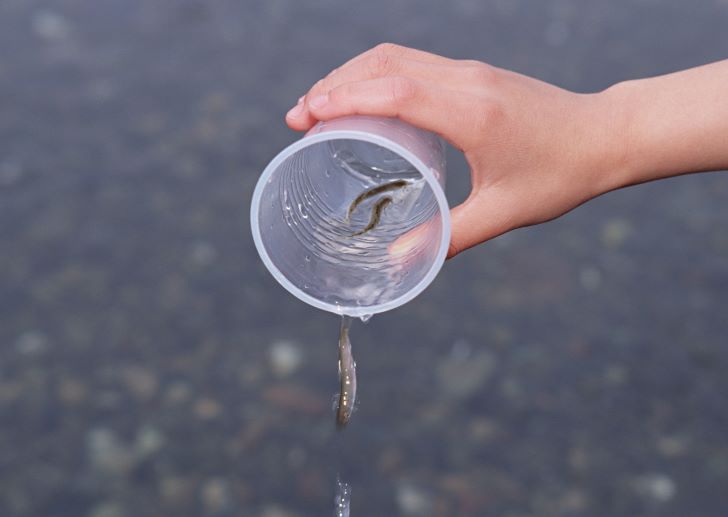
(302, 209)
(286, 205)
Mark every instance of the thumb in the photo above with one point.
(484, 215)
(481, 217)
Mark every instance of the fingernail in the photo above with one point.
(300, 99)
(295, 111)
(319, 101)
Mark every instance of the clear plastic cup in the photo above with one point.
(312, 239)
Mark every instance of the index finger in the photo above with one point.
(382, 56)
(392, 49)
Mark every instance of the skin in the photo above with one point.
(535, 151)
(347, 378)
(386, 187)
(376, 216)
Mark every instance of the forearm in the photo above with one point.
(672, 124)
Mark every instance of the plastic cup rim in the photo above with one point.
(346, 134)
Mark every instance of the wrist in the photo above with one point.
(669, 125)
(621, 156)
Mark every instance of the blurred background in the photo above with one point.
(149, 364)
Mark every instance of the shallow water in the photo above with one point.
(149, 365)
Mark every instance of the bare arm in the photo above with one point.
(536, 151)
(674, 124)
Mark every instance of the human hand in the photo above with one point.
(535, 151)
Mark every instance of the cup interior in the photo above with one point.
(350, 225)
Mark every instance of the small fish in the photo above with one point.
(376, 215)
(386, 187)
(347, 376)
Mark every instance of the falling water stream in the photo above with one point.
(346, 403)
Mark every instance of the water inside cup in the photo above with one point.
(309, 235)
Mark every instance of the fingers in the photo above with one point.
(302, 117)
(458, 117)
(384, 67)
(393, 61)
(384, 59)
(386, 53)
(299, 118)
(393, 49)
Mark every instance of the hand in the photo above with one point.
(535, 151)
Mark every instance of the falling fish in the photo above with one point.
(376, 216)
(379, 189)
(347, 376)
